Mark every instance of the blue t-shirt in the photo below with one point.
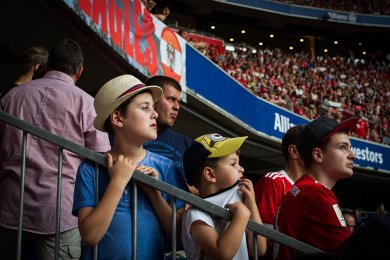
(117, 242)
(170, 144)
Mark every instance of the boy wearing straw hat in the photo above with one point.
(211, 164)
(124, 107)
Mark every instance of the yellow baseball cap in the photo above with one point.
(208, 146)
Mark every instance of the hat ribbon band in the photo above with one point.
(132, 89)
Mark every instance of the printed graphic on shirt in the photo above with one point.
(167, 151)
(295, 191)
(339, 214)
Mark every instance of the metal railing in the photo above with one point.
(176, 193)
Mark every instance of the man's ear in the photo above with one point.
(317, 154)
(208, 174)
(293, 151)
(79, 72)
(116, 119)
(36, 67)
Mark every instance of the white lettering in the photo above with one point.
(338, 16)
(277, 124)
(282, 123)
(367, 155)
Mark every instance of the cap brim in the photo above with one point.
(229, 146)
(346, 125)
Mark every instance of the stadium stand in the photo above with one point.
(336, 86)
(339, 86)
(357, 6)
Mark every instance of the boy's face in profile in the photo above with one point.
(140, 119)
(338, 157)
(228, 171)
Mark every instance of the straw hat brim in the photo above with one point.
(103, 111)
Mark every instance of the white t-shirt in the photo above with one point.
(192, 249)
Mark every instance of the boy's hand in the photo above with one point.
(246, 187)
(122, 170)
(148, 171)
(238, 208)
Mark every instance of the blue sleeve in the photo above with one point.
(84, 192)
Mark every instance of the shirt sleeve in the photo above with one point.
(268, 198)
(94, 139)
(84, 192)
(193, 215)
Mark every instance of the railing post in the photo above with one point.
(96, 248)
(58, 203)
(134, 222)
(254, 240)
(21, 198)
(173, 205)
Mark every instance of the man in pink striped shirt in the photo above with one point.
(57, 105)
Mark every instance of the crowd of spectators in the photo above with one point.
(338, 86)
(357, 6)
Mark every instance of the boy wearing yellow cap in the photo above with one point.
(211, 164)
(125, 109)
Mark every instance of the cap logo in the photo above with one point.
(132, 89)
(214, 138)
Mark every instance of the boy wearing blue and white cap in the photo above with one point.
(211, 164)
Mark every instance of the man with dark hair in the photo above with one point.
(272, 187)
(168, 143)
(310, 212)
(32, 66)
(57, 105)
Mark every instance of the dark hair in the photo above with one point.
(122, 108)
(66, 56)
(33, 56)
(181, 31)
(290, 138)
(163, 81)
(195, 178)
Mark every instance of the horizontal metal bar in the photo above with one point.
(46, 135)
(223, 213)
(178, 193)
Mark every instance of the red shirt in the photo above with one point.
(361, 128)
(310, 213)
(269, 193)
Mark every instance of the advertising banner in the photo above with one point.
(140, 38)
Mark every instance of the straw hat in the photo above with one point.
(116, 91)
